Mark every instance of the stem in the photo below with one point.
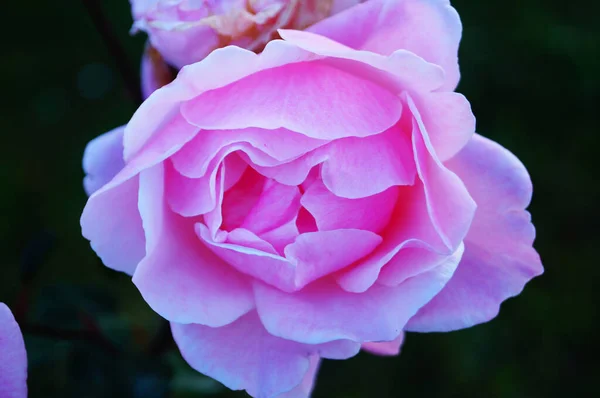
(132, 85)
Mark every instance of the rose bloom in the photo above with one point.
(324, 195)
(185, 31)
(13, 357)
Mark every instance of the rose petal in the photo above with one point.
(410, 228)
(13, 357)
(283, 145)
(499, 259)
(243, 355)
(264, 265)
(450, 206)
(333, 212)
(323, 312)
(103, 159)
(385, 348)
(316, 254)
(200, 288)
(397, 71)
(304, 389)
(430, 29)
(111, 222)
(194, 79)
(368, 108)
(361, 167)
(277, 205)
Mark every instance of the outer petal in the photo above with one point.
(110, 220)
(13, 357)
(450, 206)
(103, 159)
(429, 28)
(323, 312)
(385, 348)
(499, 259)
(179, 277)
(243, 355)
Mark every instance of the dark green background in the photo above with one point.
(530, 69)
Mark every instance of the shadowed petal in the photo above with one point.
(13, 357)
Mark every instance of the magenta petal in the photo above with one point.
(13, 357)
(103, 159)
(179, 277)
(323, 312)
(430, 29)
(243, 355)
(385, 348)
(499, 258)
(371, 213)
(368, 108)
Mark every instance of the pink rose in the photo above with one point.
(324, 194)
(13, 357)
(185, 31)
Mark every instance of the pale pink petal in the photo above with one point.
(304, 389)
(197, 78)
(194, 196)
(499, 258)
(103, 159)
(323, 312)
(361, 167)
(282, 103)
(450, 206)
(282, 235)
(277, 205)
(385, 348)
(429, 28)
(264, 265)
(283, 145)
(179, 277)
(191, 196)
(13, 357)
(437, 208)
(410, 228)
(111, 222)
(412, 259)
(449, 121)
(333, 212)
(246, 238)
(317, 254)
(244, 356)
(397, 70)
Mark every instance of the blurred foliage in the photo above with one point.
(531, 71)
